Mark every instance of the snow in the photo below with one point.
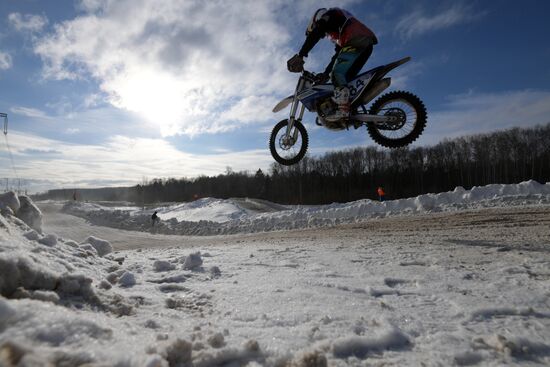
(457, 278)
(193, 261)
(127, 279)
(160, 265)
(48, 240)
(361, 347)
(29, 213)
(101, 246)
(207, 209)
(213, 216)
(9, 200)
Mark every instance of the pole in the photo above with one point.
(5, 117)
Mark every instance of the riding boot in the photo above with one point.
(341, 98)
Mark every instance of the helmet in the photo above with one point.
(316, 16)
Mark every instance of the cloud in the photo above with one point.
(177, 63)
(5, 61)
(32, 151)
(419, 22)
(72, 130)
(30, 112)
(86, 165)
(402, 76)
(78, 123)
(30, 186)
(251, 109)
(474, 113)
(91, 5)
(27, 22)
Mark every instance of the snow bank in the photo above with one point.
(207, 209)
(213, 216)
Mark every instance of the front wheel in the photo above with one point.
(288, 151)
(409, 123)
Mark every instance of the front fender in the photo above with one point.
(285, 102)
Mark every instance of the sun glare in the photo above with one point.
(157, 97)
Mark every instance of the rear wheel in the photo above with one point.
(288, 151)
(410, 119)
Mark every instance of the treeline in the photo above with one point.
(100, 194)
(509, 156)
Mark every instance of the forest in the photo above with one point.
(508, 156)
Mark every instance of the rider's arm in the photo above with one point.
(318, 32)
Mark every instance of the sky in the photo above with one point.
(115, 93)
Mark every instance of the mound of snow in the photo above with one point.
(32, 235)
(23, 208)
(193, 261)
(207, 209)
(6, 312)
(48, 240)
(101, 246)
(23, 271)
(29, 213)
(361, 346)
(9, 200)
(162, 265)
(127, 279)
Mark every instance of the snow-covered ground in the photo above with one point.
(460, 278)
(210, 216)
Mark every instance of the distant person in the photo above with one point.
(74, 196)
(155, 218)
(381, 193)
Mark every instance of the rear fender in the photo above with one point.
(285, 102)
(375, 81)
(382, 71)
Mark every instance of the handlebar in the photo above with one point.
(308, 75)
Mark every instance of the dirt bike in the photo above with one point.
(394, 120)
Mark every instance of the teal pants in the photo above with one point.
(349, 62)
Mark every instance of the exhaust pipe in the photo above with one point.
(373, 92)
(377, 119)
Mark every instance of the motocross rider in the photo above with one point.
(354, 42)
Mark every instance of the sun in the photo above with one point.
(158, 97)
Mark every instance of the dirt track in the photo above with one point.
(526, 228)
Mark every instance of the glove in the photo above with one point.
(295, 64)
(321, 78)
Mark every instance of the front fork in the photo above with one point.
(293, 110)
